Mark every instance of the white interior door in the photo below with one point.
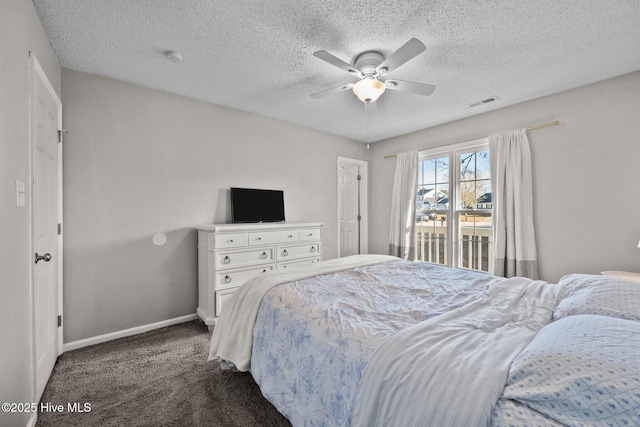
(45, 204)
(349, 212)
(351, 207)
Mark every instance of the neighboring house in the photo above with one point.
(484, 201)
(442, 203)
(427, 197)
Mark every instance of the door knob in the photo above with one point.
(46, 257)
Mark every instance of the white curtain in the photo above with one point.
(403, 206)
(512, 197)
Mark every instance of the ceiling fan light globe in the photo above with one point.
(368, 90)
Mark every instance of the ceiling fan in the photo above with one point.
(370, 67)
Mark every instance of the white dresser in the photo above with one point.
(229, 254)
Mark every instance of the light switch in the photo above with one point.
(21, 194)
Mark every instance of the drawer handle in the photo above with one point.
(285, 253)
(290, 236)
(258, 238)
(264, 271)
(263, 255)
(226, 260)
(310, 234)
(227, 279)
(231, 241)
(313, 249)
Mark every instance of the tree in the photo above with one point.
(473, 182)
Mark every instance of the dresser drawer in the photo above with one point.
(296, 263)
(221, 297)
(231, 240)
(297, 251)
(233, 279)
(228, 260)
(310, 234)
(272, 237)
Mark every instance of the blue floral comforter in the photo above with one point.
(313, 337)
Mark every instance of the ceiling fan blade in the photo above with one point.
(406, 52)
(324, 93)
(413, 87)
(336, 62)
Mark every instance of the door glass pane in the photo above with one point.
(475, 179)
(441, 197)
(431, 210)
(476, 242)
(431, 238)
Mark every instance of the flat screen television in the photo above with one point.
(253, 205)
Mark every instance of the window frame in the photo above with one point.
(454, 211)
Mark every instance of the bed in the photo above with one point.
(374, 340)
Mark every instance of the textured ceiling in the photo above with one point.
(256, 56)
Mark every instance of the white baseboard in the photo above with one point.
(32, 419)
(127, 332)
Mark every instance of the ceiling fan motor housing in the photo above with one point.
(367, 63)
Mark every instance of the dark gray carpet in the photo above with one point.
(159, 378)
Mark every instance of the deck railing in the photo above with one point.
(475, 248)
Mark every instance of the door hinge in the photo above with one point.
(359, 217)
(60, 133)
(359, 177)
(59, 229)
(59, 320)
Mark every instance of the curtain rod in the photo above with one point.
(544, 125)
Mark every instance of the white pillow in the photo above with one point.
(581, 371)
(626, 275)
(599, 295)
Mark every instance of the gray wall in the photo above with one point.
(20, 32)
(586, 174)
(138, 162)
